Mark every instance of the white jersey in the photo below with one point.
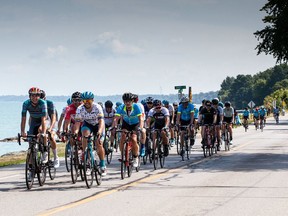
(228, 112)
(108, 117)
(171, 109)
(92, 117)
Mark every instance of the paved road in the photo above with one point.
(251, 179)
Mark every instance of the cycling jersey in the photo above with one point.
(185, 113)
(36, 112)
(255, 113)
(70, 113)
(108, 117)
(208, 115)
(262, 112)
(159, 117)
(196, 113)
(228, 112)
(130, 117)
(246, 113)
(93, 117)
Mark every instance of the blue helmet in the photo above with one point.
(165, 102)
(69, 101)
(87, 95)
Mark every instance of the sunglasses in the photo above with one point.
(128, 101)
(88, 101)
(159, 107)
(35, 95)
(76, 100)
(149, 103)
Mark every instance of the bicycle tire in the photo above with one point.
(51, 168)
(88, 166)
(130, 162)
(67, 156)
(155, 156)
(30, 170)
(139, 164)
(98, 175)
(41, 170)
(178, 145)
(123, 162)
(187, 148)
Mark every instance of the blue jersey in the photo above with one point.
(196, 113)
(36, 112)
(246, 113)
(50, 108)
(130, 117)
(262, 112)
(256, 113)
(185, 112)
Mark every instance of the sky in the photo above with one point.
(113, 46)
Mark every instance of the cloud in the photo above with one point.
(54, 52)
(108, 44)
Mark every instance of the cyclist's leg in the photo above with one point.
(165, 142)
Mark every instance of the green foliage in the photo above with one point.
(244, 88)
(274, 37)
(281, 97)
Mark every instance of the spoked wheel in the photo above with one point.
(41, 170)
(51, 168)
(178, 146)
(123, 162)
(130, 162)
(161, 155)
(88, 168)
(227, 145)
(74, 165)
(155, 156)
(98, 176)
(68, 152)
(107, 150)
(30, 170)
(187, 148)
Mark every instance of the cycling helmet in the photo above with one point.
(175, 103)
(127, 96)
(221, 104)
(69, 101)
(118, 104)
(208, 103)
(108, 104)
(76, 95)
(34, 90)
(42, 94)
(135, 98)
(149, 99)
(87, 95)
(165, 102)
(215, 101)
(143, 102)
(227, 103)
(184, 99)
(203, 101)
(156, 102)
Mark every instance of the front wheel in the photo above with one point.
(68, 152)
(30, 170)
(41, 169)
(88, 168)
(161, 155)
(155, 156)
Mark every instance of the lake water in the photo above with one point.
(10, 113)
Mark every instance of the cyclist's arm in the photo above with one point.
(214, 118)
(76, 127)
(148, 121)
(60, 122)
(178, 118)
(116, 120)
(141, 121)
(23, 123)
(101, 126)
(167, 120)
(43, 124)
(53, 121)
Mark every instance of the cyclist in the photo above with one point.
(132, 121)
(208, 116)
(91, 115)
(148, 106)
(161, 118)
(256, 115)
(185, 117)
(118, 104)
(228, 113)
(109, 114)
(262, 113)
(245, 117)
(171, 114)
(219, 112)
(69, 102)
(52, 126)
(143, 132)
(276, 112)
(37, 109)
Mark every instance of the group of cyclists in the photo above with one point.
(83, 116)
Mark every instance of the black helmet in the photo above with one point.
(108, 104)
(215, 101)
(207, 103)
(135, 98)
(149, 99)
(227, 104)
(156, 102)
(42, 94)
(76, 95)
(184, 99)
(128, 96)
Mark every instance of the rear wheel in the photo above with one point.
(155, 155)
(123, 162)
(98, 176)
(74, 164)
(130, 162)
(68, 152)
(30, 170)
(51, 168)
(161, 155)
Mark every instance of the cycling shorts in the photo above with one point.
(227, 119)
(128, 127)
(92, 128)
(183, 123)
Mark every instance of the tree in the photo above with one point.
(274, 37)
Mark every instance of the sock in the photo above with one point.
(102, 163)
(55, 153)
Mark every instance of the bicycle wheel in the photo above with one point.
(130, 162)
(178, 148)
(88, 166)
(51, 168)
(123, 161)
(74, 164)
(227, 145)
(109, 154)
(98, 176)
(155, 156)
(187, 148)
(41, 169)
(30, 169)
(68, 152)
(161, 155)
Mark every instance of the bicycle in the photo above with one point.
(186, 143)
(76, 163)
(91, 166)
(34, 165)
(67, 150)
(148, 147)
(108, 146)
(158, 149)
(126, 154)
(209, 141)
(226, 136)
(245, 124)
